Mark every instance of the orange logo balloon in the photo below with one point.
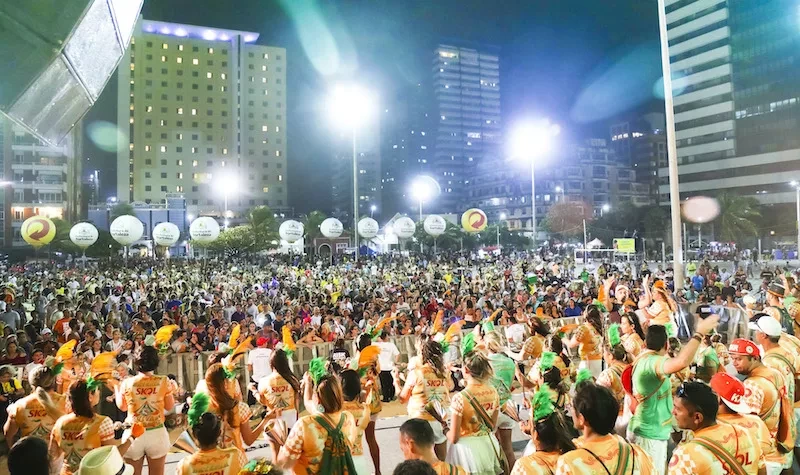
(38, 231)
(474, 220)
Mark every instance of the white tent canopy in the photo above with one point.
(594, 244)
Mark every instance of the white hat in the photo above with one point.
(767, 325)
(104, 461)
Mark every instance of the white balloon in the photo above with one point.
(291, 230)
(700, 209)
(368, 228)
(126, 229)
(166, 234)
(83, 235)
(204, 229)
(404, 227)
(434, 225)
(331, 228)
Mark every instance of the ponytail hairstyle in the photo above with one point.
(433, 355)
(614, 344)
(595, 318)
(553, 343)
(478, 365)
(552, 378)
(207, 430)
(79, 399)
(43, 379)
(215, 380)
(280, 363)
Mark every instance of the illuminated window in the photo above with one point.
(149, 108)
(133, 66)
(194, 111)
(195, 61)
(163, 59)
(266, 92)
(180, 110)
(163, 148)
(131, 107)
(194, 150)
(131, 120)
(179, 136)
(223, 88)
(265, 189)
(130, 147)
(180, 164)
(164, 46)
(179, 60)
(210, 50)
(263, 80)
(263, 68)
(180, 47)
(266, 55)
(163, 122)
(223, 76)
(224, 151)
(179, 189)
(194, 163)
(277, 129)
(208, 75)
(180, 176)
(277, 153)
(146, 148)
(280, 177)
(223, 163)
(263, 128)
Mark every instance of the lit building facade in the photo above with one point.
(641, 143)
(38, 179)
(736, 82)
(466, 88)
(203, 112)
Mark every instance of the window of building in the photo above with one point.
(195, 61)
(164, 188)
(210, 50)
(179, 149)
(194, 149)
(179, 60)
(148, 188)
(194, 111)
(195, 74)
(209, 150)
(146, 148)
(179, 176)
(224, 151)
(149, 44)
(180, 47)
(194, 163)
(147, 174)
(195, 189)
(164, 136)
(277, 153)
(208, 75)
(164, 162)
(163, 122)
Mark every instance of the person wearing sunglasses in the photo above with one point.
(767, 396)
(716, 447)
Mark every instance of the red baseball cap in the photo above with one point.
(261, 341)
(740, 346)
(731, 391)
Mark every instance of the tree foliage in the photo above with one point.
(259, 233)
(121, 209)
(565, 219)
(311, 223)
(737, 217)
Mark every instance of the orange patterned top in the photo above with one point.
(77, 435)
(590, 343)
(276, 393)
(426, 387)
(210, 462)
(32, 418)
(306, 441)
(145, 396)
(471, 423)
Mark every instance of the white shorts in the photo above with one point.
(504, 422)
(438, 433)
(657, 449)
(154, 444)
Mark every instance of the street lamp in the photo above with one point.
(604, 209)
(502, 218)
(227, 185)
(530, 141)
(423, 188)
(372, 211)
(351, 106)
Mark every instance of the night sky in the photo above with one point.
(580, 63)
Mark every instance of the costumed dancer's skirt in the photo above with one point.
(476, 454)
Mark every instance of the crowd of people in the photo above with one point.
(585, 361)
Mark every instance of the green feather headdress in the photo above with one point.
(547, 361)
(199, 406)
(613, 335)
(541, 403)
(317, 369)
(671, 330)
(583, 375)
(467, 344)
(488, 327)
(599, 306)
(92, 384)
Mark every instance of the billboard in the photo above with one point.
(625, 245)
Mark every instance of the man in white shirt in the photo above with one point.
(387, 360)
(316, 317)
(258, 364)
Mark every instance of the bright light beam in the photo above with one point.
(351, 105)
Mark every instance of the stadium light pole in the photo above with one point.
(227, 185)
(351, 106)
(672, 149)
(530, 141)
(423, 188)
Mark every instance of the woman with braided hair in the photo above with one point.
(428, 383)
(80, 431)
(550, 435)
(206, 429)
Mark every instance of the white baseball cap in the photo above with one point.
(767, 325)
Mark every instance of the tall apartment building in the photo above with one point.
(641, 143)
(466, 87)
(206, 115)
(735, 67)
(38, 179)
(369, 173)
(590, 174)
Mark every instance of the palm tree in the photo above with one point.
(121, 209)
(736, 217)
(311, 224)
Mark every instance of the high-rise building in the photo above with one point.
(407, 146)
(735, 68)
(466, 88)
(206, 115)
(38, 179)
(369, 172)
